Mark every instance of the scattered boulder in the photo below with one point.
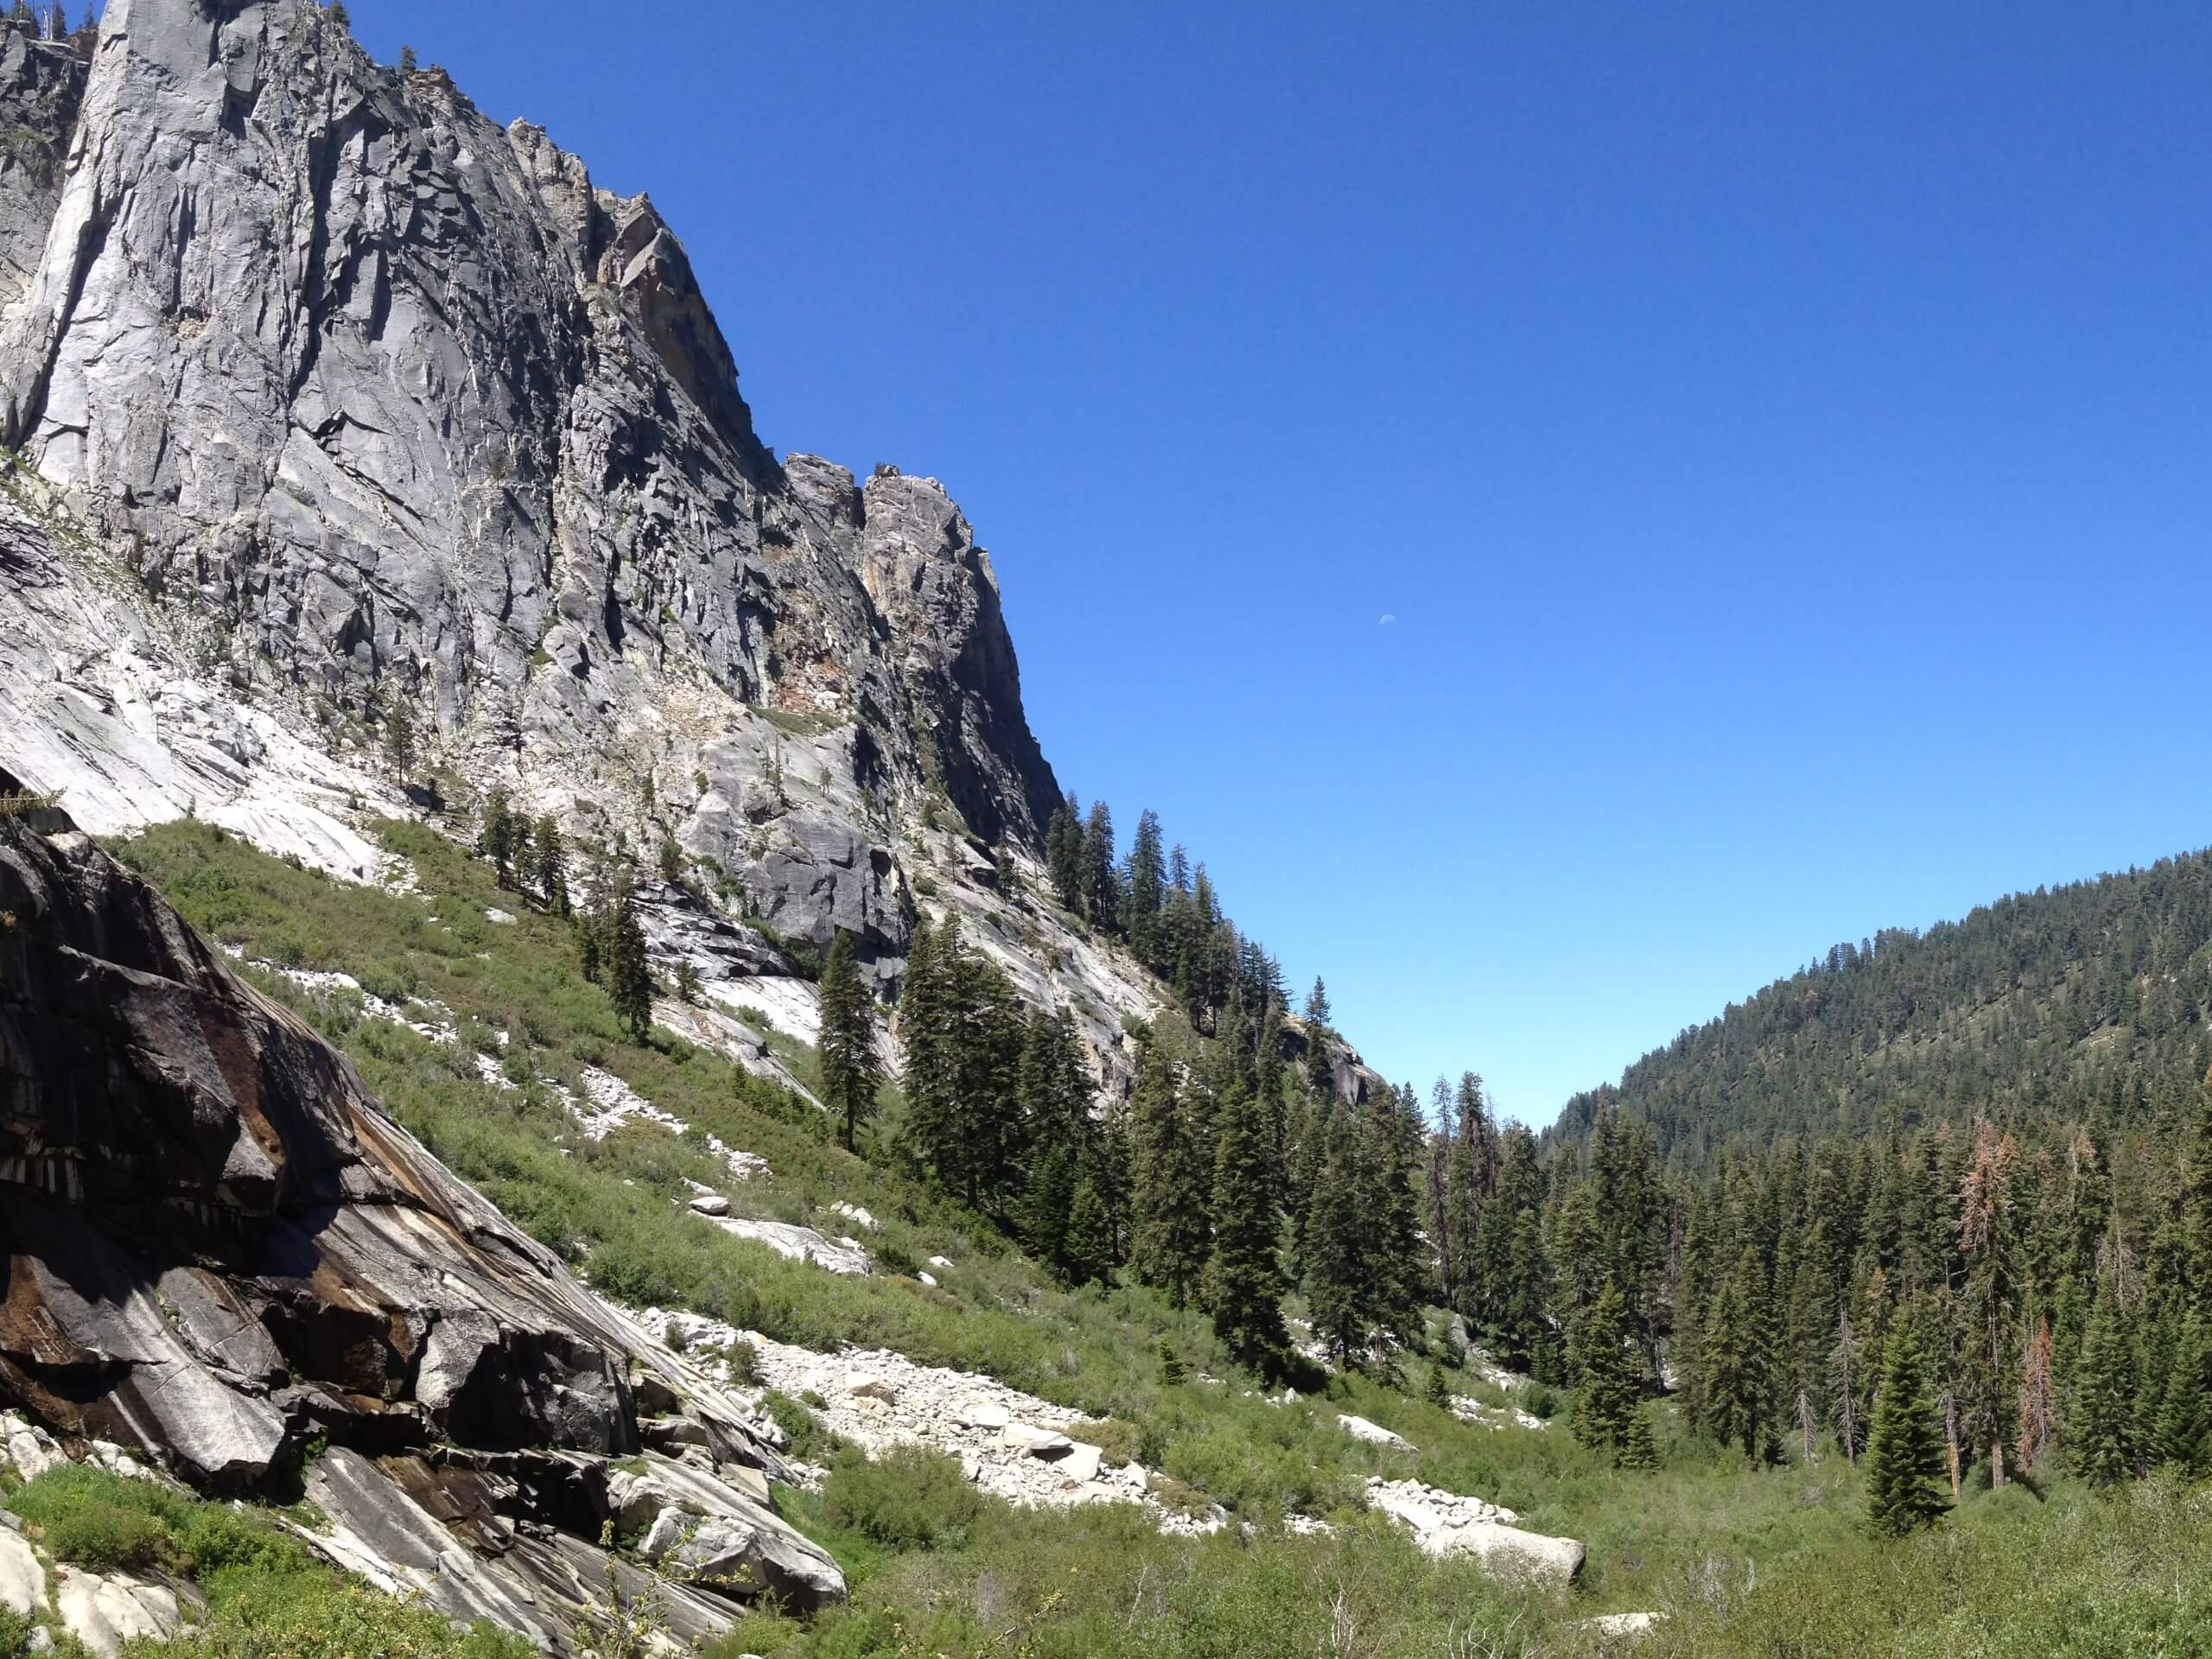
(22, 1580)
(104, 1610)
(710, 1204)
(1374, 1433)
(1038, 1442)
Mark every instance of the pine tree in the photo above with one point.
(399, 740)
(672, 863)
(497, 840)
(629, 975)
(1087, 1248)
(1172, 1183)
(1244, 1285)
(551, 861)
(1317, 1004)
(1338, 1248)
(686, 982)
(1905, 1453)
(1172, 1372)
(406, 60)
(1102, 898)
(1608, 1402)
(2100, 1429)
(848, 1067)
(2183, 1436)
(1064, 853)
(338, 14)
(1438, 1393)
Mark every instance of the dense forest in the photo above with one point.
(2080, 1002)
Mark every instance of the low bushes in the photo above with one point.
(909, 1498)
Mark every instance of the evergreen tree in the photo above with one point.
(1338, 1241)
(849, 1069)
(338, 15)
(1317, 1004)
(672, 863)
(2183, 1436)
(1172, 1373)
(1172, 1183)
(629, 975)
(406, 60)
(2100, 1429)
(1245, 1284)
(1608, 1402)
(399, 740)
(1905, 1453)
(1102, 898)
(1087, 1247)
(686, 982)
(550, 862)
(1064, 853)
(497, 840)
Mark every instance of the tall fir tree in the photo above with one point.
(850, 1070)
(1245, 1284)
(1609, 1399)
(629, 975)
(1173, 1183)
(2102, 1430)
(1905, 1451)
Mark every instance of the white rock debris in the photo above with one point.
(1446, 1524)
(614, 1103)
(1374, 1433)
(1026, 1450)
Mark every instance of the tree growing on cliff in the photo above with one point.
(399, 740)
(850, 1070)
(496, 840)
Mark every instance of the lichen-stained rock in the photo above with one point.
(215, 1248)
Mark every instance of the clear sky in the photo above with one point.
(1568, 509)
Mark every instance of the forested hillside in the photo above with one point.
(2085, 1002)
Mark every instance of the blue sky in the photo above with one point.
(1781, 434)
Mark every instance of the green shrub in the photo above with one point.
(910, 1498)
(320, 1616)
(99, 1520)
(1116, 1440)
(15, 1633)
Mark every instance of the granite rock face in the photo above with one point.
(335, 397)
(215, 1248)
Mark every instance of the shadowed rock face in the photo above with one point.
(214, 1247)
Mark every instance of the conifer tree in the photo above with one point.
(497, 840)
(1064, 853)
(1608, 1401)
(1087, 1247)
(1338, 1241)
(406, 60)
(1172, 1186)
(849, 1068)
(1317, 1004)
(1244, 1285)
(686, 982)
(2100, 1429)
(551, 866)
(1172, 1372)
(399, 740)
(1905, 1451)
(629, 975)
(2184, 1435)
(1102, 903)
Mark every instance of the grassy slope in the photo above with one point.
(1744, 1563)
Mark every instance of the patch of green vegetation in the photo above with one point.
(801, 723)
(86, 1515)
(909, 1498)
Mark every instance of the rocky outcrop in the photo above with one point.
(214, 1250)
(336, 395)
